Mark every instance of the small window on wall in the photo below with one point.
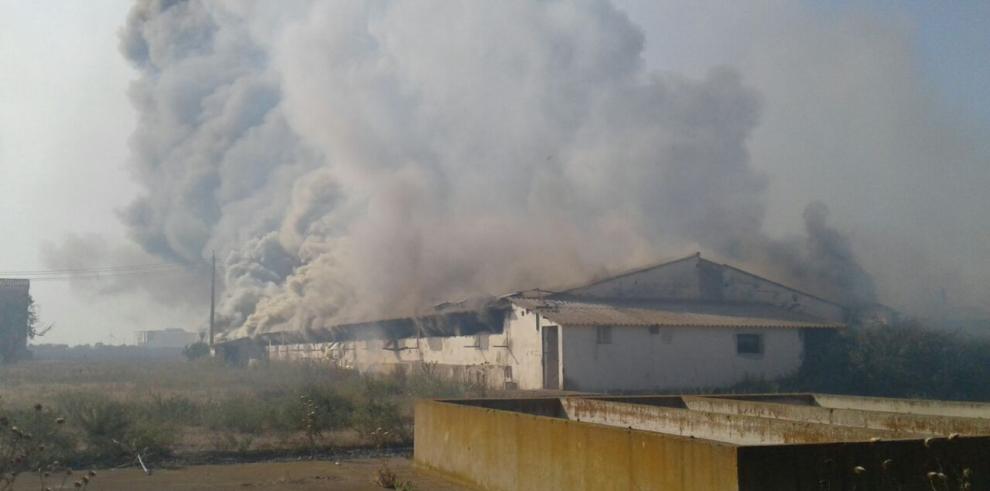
(749, 344)
(603, 335)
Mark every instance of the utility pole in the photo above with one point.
(213, 292)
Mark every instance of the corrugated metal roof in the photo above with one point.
(671, 314)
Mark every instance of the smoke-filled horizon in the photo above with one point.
(357, 160)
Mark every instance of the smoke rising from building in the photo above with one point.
(350, 160)
(359, 160)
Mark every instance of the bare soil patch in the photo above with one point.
(275, 476)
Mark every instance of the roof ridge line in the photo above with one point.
(695, 255)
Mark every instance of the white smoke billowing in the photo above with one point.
(349, 160)
(366, 159)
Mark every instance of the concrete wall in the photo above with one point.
(911, 406)
(726, 428)
(525, 444)
(499, 450)
(941, 425)
(512, 358)
(673, 358)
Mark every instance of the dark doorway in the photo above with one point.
(551, 358)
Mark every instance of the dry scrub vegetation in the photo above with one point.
(204, 410)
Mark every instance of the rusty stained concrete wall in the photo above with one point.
(502, 450)
(728, 428)
(909, 406)
(879, 420)
(524, 444)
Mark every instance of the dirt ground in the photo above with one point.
(291, 476)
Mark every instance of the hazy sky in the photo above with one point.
(66, 119)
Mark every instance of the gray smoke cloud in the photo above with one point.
(97, 267)
(353, 160)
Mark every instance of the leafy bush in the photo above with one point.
(326, 409)
(380, 422)
(112, 430)
(901, 360)
(174, 408)
(242, 413)
(150, 439)
(101, 420)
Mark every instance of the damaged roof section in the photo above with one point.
(447, 319)
(690, 292)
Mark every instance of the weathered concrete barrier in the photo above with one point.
(505, 450)
(692, 443)
(909, 406)
(895, 422)
(724, 427)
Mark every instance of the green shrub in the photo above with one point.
(174, 408)
(101, 420)
(380, 422)
(905, 359)
(150, 439)
(113, 430)
(242, 413)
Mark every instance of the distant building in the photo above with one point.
(15, 318)
(688, 323)
(166, 338)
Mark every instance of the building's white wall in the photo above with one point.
(527, 348)
(694, 357)
(478, 358)
(166, 338)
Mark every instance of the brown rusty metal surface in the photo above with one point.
(672, 314)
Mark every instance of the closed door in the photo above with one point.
(551, 358)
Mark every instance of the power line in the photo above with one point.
(87, 270)
(93, 273)
(101, 276)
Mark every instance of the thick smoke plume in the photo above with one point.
(349, 160)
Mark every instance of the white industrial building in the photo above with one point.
(166, 338)
(689, 323)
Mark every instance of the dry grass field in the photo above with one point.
(176, 413)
